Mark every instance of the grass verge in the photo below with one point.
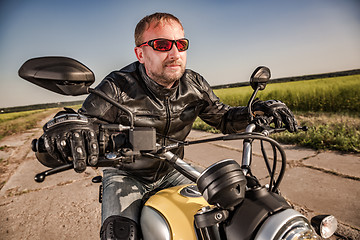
(17, 122)
(12, 123)
(327, 131)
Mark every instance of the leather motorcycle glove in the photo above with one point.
(276, 109)
(71, 137)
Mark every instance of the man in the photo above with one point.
(162, 94)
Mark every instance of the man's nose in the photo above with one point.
(174, 53)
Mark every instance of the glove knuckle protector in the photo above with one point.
(279, 111)
(70, 137)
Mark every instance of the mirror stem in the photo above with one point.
(250, 103)
(116, 104)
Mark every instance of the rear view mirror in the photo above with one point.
(62, 75)
(260, 77)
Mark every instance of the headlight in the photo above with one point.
(286, 225)
(298, 229)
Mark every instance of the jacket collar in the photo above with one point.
(156, 88)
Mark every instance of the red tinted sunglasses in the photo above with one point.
(164, 45)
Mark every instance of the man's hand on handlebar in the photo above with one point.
(71, 137)
(277, 110)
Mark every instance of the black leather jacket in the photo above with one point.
(171, 111)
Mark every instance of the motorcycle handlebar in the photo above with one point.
(179, 164)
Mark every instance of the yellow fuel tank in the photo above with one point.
(174, 207)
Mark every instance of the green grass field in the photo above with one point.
(17, 122)
(339, 94)
(330, 107)
(15, 115)
(11, 123)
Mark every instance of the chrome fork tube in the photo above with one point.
(183, 167)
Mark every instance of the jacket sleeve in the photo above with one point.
(95, 106)
(219, 115)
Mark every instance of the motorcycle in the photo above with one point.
(226, 202)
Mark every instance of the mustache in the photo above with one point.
(173, 63)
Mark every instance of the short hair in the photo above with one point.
(144, 24)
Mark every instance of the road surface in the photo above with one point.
(65, 205)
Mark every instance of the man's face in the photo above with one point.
(163, 67)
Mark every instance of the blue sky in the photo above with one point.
(228, 39)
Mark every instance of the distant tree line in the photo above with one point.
(291, 79)
(39, 106)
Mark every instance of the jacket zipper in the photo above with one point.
(167, 125)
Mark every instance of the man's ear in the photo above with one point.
(139, 54)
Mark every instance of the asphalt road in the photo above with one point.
(65, 205)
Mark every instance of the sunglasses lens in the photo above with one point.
(166, 45)
(162, 45)
(182, 44)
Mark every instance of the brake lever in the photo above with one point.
(40, 177)
(303, 128)
(268, 130)
(102, 162)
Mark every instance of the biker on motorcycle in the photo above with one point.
(162, 94)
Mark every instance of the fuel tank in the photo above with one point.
(169, 214)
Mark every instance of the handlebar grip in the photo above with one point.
(38, 145)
